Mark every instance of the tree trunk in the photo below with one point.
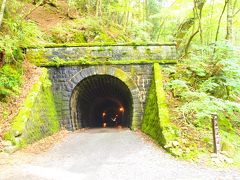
(127, 14)
(219, 21)
(210, 35)
(189, 42)
(198, 7)
(146, 10)
(2, 11)
(229, 35)
(97, 8)
(183, 30)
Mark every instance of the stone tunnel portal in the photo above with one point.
(102, 101)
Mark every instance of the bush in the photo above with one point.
(17, 33)
(208, 82)
(10, 80)
(88, 29)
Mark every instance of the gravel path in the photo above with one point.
(110, 154)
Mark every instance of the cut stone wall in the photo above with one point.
(37, 117)
(103, 52)
(156, 122)
(64, 79)
(131, 63)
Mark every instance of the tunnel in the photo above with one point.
(103, 101)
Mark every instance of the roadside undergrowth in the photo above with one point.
(207, 83)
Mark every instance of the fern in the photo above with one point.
(208, 83)
(10, 81)
(17, 33)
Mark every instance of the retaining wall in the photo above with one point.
(37, 117)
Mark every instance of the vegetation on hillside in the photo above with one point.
(206, 80)
(204, 84)
(16, 33)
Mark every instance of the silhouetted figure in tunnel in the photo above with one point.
(115, 120)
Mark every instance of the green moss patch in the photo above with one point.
(103, 44)
(156, 121)
(60, 62)
(37, 117)
(92, 54)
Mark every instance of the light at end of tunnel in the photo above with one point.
(104, 125)
(121, 109)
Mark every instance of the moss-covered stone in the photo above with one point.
(134, 44)
(59, 62)
(151, 121)
(37, 117)
(132, 71)
(102, 53)
(37, 56)
(156, 121)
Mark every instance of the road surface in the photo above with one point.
(109, 154)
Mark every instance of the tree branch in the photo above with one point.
(236, 12)
(189, 42)
(220, 19)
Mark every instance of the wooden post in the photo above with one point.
(216, 138)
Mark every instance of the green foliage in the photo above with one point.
(10, 80)
(208, 82)
(83, 6)
(178, 86)
(122, 20)
(154, 20)
(200, 106)
(87, 29)
(17, 33)
(140, 31)
(231, 145)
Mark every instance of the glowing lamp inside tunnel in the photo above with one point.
(101, 98)
(121, 109)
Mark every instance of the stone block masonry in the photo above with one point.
(64, 79)
(37, 117)
(156, 122)
(93, 53)
(86, 77)
(131, 63)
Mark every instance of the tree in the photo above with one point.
(220, 19)
(229, 35)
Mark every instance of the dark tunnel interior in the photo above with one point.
(104, 101)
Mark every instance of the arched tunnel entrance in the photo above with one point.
(102, 101)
